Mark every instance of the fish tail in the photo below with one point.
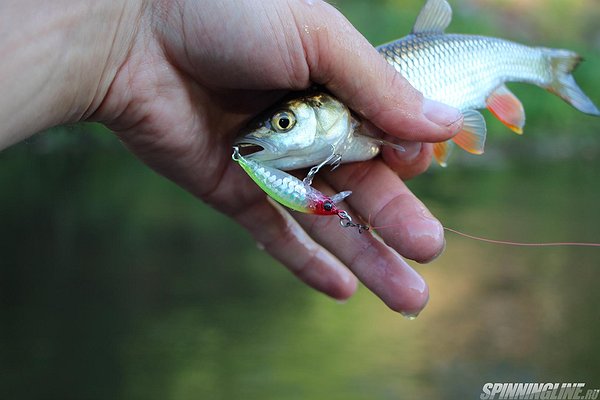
(562, 64)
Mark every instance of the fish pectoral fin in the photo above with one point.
(388, 144)
(507, 108)
(472, 136)
(435, 16)
(441, 152)
(380, 141)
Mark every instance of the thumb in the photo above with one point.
(342, 60)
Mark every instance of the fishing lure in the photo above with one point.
(298, 195)
(294, 193)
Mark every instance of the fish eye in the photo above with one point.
(283, 121)
(328, 206)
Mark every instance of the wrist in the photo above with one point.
(59, 59)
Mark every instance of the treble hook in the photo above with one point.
(346, 222)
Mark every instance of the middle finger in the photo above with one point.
(377, 265)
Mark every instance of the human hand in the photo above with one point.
(195, 72)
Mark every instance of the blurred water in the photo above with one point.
(116, 284)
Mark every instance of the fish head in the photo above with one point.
(298, 132)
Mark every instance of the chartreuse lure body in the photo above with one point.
(285, 188)
(293, 193)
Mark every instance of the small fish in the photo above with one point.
(305, 130)
(465, 71)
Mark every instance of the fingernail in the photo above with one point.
(411, 151)
(440, 113)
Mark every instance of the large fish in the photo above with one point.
(465, 71)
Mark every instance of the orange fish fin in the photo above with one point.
(472, 137)
(441, 152)
(507, 108)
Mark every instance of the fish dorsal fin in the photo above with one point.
(441, 152)
(507, 108)
(472, 136)
(435, 16)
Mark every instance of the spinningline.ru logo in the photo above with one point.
(542, 391)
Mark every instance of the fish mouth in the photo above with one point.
(249, 149)
(254, 148)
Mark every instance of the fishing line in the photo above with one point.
(504, 242)
(521, 244)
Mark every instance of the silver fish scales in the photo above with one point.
(463, 70)
(468, 72)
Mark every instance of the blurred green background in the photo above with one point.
(116, 284)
